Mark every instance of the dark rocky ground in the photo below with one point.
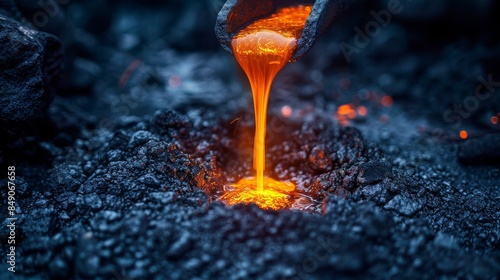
(150, 111)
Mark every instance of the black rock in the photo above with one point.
(373, 172)
(30, 66)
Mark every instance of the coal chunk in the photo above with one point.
(373, 172)
(67, 177)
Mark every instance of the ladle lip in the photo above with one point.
(237, 14)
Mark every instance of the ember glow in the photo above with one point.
(362, 111)
(286, 111)
(262, 49)
(387, 101)
(354, 111)
(464, 134)
(347, 112)
(494, 120)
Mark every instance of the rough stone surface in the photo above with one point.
(30, 65)
(403, 205)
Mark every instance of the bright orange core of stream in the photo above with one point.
(262, 49)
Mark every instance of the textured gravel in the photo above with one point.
(111, 186)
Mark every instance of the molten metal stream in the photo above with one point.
(262, 49)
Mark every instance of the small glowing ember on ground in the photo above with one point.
(276, 195)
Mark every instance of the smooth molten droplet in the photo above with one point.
(262, 49)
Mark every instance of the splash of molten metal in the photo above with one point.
(276, 195)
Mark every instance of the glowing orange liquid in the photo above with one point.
(275, 196)
(262, 49)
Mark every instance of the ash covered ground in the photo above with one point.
(118, 177)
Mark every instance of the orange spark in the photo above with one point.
(347, 110)
(464, 134)
(387, 101)
(351, 114)
(286, 111)
(344, 109)
(362, 111)
(344, 113)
